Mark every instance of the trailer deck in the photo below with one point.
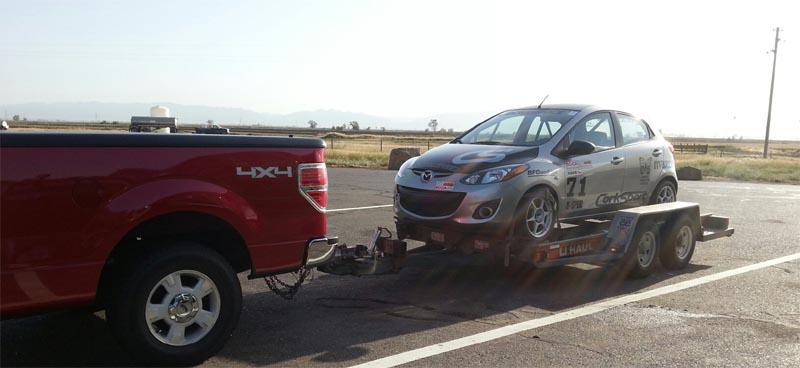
(668, 231)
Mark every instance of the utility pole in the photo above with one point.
(771, 87)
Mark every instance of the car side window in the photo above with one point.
(596, 128)
(633, 130)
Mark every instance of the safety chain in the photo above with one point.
(290, 290)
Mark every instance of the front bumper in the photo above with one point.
(467, 238)
(320, 251)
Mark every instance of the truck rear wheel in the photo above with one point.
(640, 260)
(678, 245)
(175, 306)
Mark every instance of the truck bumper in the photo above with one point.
(321, 251)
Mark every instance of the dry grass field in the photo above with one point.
(732, 159)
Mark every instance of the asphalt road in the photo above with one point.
(751, 319)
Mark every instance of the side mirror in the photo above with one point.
(578, 148)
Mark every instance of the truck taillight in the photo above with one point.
(313, 181)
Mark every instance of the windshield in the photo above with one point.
(519, 127)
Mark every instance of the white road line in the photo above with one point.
(360, 208)
(429, 351)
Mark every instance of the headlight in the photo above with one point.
(495, 175)
(405, 167)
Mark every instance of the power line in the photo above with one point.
(771, 87)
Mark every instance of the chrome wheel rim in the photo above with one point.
(666, 195)
(646, 249)
(182, 308)
(539, 217)
(683, 242)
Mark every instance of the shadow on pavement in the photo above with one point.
(333, 317)
(70, 338)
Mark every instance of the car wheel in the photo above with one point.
(175, 306)
(665, 192)
(537, 215)
(678, 245)
(641, 257)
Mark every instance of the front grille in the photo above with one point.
(434, 174)
(429, 203)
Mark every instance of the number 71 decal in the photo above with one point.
(571, 185)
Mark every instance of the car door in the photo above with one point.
(641, 150)
(591, 178)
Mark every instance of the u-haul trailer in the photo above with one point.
(635, 239)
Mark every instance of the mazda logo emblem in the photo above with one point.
(427, 175)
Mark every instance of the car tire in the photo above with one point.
(678, 246)
(642, 256)
(176, 305)
(665, 192)
(537, 215)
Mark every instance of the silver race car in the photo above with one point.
(519, 173)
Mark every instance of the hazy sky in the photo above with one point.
(694, 68)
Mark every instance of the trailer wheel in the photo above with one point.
(678, 245)
(641, 257)
(176, 305)
(537, 215)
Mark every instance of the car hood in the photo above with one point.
(469, 158)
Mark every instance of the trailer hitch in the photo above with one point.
(384, 255)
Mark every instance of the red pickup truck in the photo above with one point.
(154, 228)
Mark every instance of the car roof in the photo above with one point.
(577, 107)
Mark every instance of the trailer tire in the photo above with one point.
(642, 256)
(537, 215)
(679, 244)
(176, 305)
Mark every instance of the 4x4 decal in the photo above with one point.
(256, 172)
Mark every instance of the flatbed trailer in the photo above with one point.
(635, 239)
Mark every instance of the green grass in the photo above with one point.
(777, 170)
(341, 158)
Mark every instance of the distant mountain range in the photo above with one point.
(108, 111)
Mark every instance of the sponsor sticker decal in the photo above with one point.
(537, 172)
(625, 222)
(644, 170)
(445, 185)
(662, 165)
(607, 199)
(575, 205)
(575, 168)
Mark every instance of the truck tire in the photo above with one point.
(641, 257)
(665, 192)
(678, 245)
(537, 215)
(176, 305)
